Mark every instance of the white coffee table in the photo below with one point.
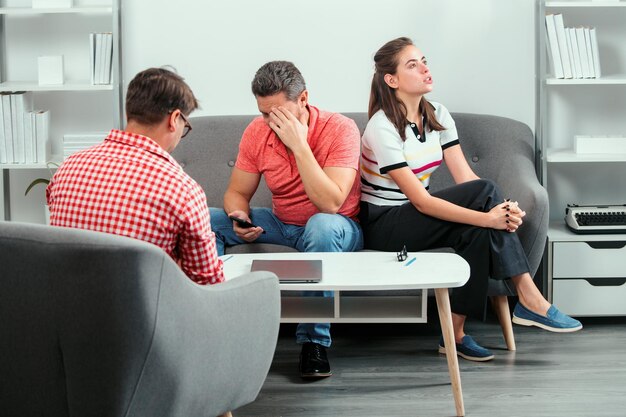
(372, 271)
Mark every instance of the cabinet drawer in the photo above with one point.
(578, 297)
(589, 259)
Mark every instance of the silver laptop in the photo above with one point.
(291, 270)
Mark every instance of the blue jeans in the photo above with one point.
(322, 233)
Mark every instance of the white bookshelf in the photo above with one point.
(76, 106)
(595, 107)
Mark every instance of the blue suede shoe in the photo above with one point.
(554, 320)
(469, 349)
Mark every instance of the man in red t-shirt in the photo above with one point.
(309, 159)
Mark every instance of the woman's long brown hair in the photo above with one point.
(384, 97)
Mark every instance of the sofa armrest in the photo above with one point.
(519, 182)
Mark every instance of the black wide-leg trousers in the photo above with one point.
(490, 253)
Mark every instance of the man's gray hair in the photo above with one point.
(278, 77)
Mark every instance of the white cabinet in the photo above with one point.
(77, 106)
(595, 107)
(588, 274)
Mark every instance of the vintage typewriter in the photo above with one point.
(596, 219)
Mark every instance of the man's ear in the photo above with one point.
(171, 120)
(303, 99)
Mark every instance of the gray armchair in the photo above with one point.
(100, 325)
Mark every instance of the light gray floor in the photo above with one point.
(394, 370)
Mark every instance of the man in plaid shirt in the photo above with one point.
(130, 185)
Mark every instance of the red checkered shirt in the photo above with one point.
(128, 185)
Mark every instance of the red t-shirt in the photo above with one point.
(335, 142)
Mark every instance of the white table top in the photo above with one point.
(362, 271)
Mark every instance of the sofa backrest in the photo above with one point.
(210, 151)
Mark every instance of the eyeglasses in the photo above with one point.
(187, 128)
(402, 255)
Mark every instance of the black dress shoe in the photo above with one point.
(313, 361)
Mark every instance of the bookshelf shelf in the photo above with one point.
(604, 80)
(26, 11)
(68, 86)
(568, 155)
(56, 159)
(592, 4)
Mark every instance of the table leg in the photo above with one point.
(445, 317)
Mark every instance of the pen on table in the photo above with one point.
(410, 261)
(227, 258)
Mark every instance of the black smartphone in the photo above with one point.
(242, 223)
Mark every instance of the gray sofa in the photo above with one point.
(93, 324)
(497, 148)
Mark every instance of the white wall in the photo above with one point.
(480, 52)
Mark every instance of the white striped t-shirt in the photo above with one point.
(383, 150)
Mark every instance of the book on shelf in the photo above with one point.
(572, 52)
(553, 47)
(74, 142)
(42, 129)
(3, 146)
(18, 125)
(582, 50)
(563, 51)
(592, 69)
(595, 52)
(92, 57)
(8, 130)
(29, 138)
(100, 57)
(573, 46)
(108, 56)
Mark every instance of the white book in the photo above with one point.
(8, 127)
(595, 52)
(575, 54)
(98, 59)
(17, 123)
(33, 123)
(3, 146)
(102, 52)
(560, 36)
(592, 70)
(42, 129)
(553, 47)
(568, 41)
(29, 150)
(108, 55)
(92, 57)
(582, 50)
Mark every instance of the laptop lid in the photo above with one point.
(291, 270)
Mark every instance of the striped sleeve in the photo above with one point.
(386, 146)
(450, 136)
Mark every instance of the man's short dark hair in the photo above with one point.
(156, 92)
(278, 77)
